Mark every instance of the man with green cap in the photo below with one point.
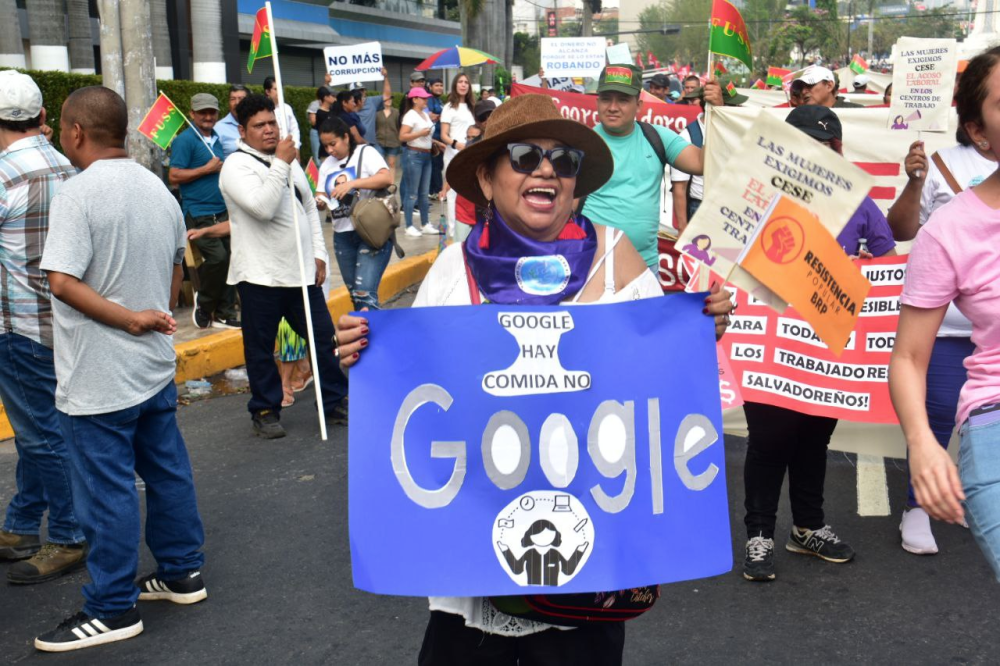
(630, 200)
(195, 163)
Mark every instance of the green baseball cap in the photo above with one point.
(625, 79)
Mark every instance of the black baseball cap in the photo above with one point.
(819, 122)
(660, 81)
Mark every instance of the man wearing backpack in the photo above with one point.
(630, 201)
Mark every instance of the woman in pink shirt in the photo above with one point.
(956, 257)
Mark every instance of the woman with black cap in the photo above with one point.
(782, 439)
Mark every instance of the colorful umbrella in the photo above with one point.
(458, 56)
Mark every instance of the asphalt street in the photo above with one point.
(278, 573)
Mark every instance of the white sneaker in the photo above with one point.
(431, 230)
(412, 232)
(917, 536)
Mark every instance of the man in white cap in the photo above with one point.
(31, 171)
(861, 83)
(820, 88)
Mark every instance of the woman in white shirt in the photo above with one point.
(415, 133)
(529, 188)
(456, 119)
(350, 174)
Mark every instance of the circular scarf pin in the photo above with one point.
(542, 276)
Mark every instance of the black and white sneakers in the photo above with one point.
(187, 590)
(82, 631)
(759, 563)
(822, 543)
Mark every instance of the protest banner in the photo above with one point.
(792, 254)
(779, 360)
(771, 158)
(354, 63)
(459, 461)
(867, 143)
(923, 82)
(573, 56)
(583, 108)
(619, 54)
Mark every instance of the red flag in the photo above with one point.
(720, 68)
(759, 85)
(638, 61)
(651, 59)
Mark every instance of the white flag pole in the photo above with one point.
(283, 131)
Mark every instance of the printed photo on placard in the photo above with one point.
(341, 207)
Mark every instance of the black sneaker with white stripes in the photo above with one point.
(822, 543)
(187, 590)
(759, 563)
(83, 631)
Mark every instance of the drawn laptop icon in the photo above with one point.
(562, 503)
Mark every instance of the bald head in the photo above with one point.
(101, 114)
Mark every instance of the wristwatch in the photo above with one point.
(454, 143)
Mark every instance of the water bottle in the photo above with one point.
(863, 246)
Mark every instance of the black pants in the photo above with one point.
(437, 173)
(448, 642)
(215, 297)
(263, 308)
(783, 439)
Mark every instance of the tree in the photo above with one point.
(161, 39)
(11, 47)
(805, 30)
(81, 47)
(527, 52)
(206, 40)
(931, 23)
(47, 32)
(690, 45)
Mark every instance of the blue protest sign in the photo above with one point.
(519, 450)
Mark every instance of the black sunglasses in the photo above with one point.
(526, 157)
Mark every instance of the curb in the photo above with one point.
(217, 352)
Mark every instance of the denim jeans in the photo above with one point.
(28, 391)
(263, 308)
(107, 451)
(979, 469)
(945, 376)
(361, 266)
(417, 179)
(314, 144)
(401, 169)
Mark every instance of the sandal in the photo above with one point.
(288, 399)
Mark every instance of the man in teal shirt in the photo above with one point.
(630, 201)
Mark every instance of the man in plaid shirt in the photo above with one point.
(31, 171)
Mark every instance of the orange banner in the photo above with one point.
(794, 255)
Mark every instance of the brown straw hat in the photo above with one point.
(531, 117)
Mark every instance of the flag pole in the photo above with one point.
(191, 125)
(283, 131)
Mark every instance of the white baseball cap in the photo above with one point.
(814, 74)
(861, 81)
(20, 98)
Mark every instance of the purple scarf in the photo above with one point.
(514, 270)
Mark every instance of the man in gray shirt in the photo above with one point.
(113, 258)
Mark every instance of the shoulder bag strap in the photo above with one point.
(948, 177)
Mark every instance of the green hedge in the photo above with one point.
(56, 87)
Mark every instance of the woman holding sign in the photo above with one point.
(526, 171)
(782, 439)
(956, 259)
